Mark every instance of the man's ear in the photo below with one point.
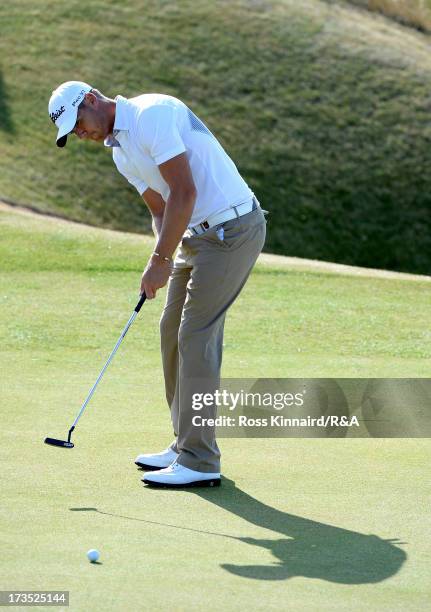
(90, 99)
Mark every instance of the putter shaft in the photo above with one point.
(111, 356)
(69, 444)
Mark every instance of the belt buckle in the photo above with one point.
(201, 227)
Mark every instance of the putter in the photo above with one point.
(67, 443)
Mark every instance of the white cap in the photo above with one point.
(63, 107)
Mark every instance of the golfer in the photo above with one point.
(201, 204)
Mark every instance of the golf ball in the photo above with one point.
(93, 555)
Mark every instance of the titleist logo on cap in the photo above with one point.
(57, 114)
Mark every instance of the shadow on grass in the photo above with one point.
(6, 123)
(311, 549)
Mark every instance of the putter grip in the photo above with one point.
(141, 301)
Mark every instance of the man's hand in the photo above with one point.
(155, 276)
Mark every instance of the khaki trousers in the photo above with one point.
(209, 273)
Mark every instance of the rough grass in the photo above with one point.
(413, 13)
(324, 108)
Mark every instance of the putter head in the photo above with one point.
(62, 443)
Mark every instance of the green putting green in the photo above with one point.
(298, 524)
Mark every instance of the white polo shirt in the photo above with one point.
(152, 128)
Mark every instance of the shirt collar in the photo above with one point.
(121, 122)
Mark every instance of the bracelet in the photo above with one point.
(168, 259)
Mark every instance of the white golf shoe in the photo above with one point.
(155, 461)
(177, 475)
